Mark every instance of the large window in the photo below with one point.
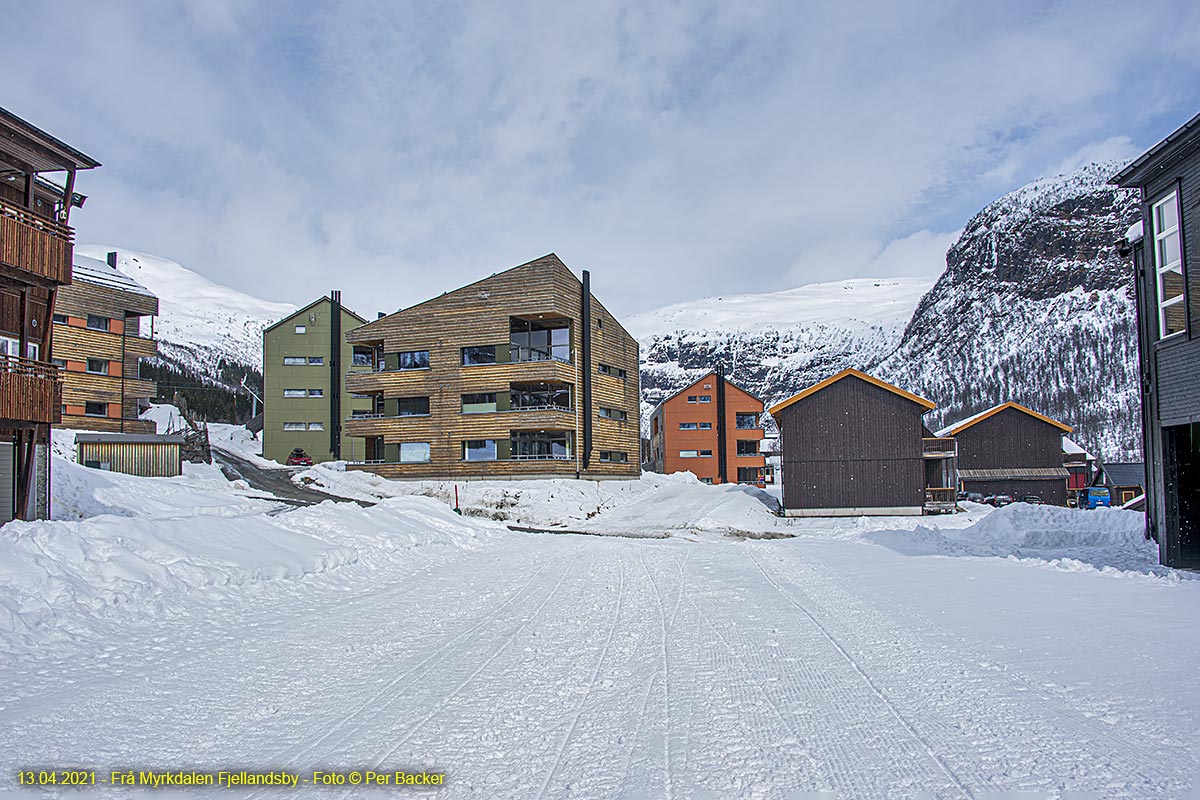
(747, 421)
(414, 452)
(485, 354)
(749, 475)
(539, 339)
(412, 407)
(413, 359)
(479, 450)
(553, 445)
(478, 403)
(1168, 262)
(362, 357)
(527, 396)
(747, 447)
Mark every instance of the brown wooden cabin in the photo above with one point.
(711, 428)
(520, 375)
(1010, 449)
(855, 445)
(36, 249)
(100, 339)
(1125, 481)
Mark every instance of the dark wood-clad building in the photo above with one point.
(854, 445)
(1010, 449)
(1166, 257)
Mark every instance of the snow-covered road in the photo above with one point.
(576, 666)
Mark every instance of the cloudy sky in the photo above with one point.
(677, 150)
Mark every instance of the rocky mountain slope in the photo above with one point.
(1034, 306)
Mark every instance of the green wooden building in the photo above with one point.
(305, 362)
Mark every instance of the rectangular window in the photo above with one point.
(706, 426)
(607, 369)
(61, 363)
(295, 393)
(32, 349)
(414, 452)
(294, 426)
(61, 319)
(1168, 262)
(542, 445)
(362, 357)
(316, 426)
(706, 453)
(412, 407)
(97, 366)
(95, 409)
(479, 450)
(478, 403)
(746, 422)
(413, 359)
(478, 355)
(539, 339)
(97, 323)
(707, 481)
(747, 447)
(689, 453)
(613, 413)
(614, 457)
(688, 426)
(294, 361)
(301, 329)
(316, 392)
(749, 475)
(316, 361)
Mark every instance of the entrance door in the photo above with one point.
(1181, 484)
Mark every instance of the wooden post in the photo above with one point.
(68, 193)
(29, 190)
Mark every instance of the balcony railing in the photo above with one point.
(29, 390)
(541, 457)
(939, 447)
(941, 499)
(31, 242)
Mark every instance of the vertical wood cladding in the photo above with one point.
(852, 445)
(478, 315)
(668, 440)
(1010, 439)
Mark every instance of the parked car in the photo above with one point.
(1033, 500)
(299, 458)
(998, 500)
(975, 497)
(1095, 497)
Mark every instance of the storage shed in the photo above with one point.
(150, 455)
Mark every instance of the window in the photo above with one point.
(97, 323)
(295, 393)
(479, 450)
(32, 349)
(61, 363)
(747, 447)
(746, 421)
(613, 413)
(478, 403)
(316, 392)
(539, 340)
(294, 361)
(689, 453)
(478, 355)
(301, 329)
(550, 445)
(1168, 262)
(97, 366)
(525, 396)
(699, 398)
(606, 369)
(61, 319)
(95, 409)
(706, 426)
(414, 452)
(412, 407)
(316, 426)
(688, 426)
(294, 426)
(614, 457)
(707, 481)
(316, 361)
(362, 357)
(749, 475)
(413, 359)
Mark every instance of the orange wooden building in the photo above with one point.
(711, 428)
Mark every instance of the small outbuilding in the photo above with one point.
(1125, 481)
(149, 455)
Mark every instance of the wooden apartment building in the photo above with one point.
(855, 445)
(710, 428)
(1166, 260)
(36, 250)
(103, 329)
(520, 375)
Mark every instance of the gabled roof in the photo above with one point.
(1131, 473)
(311, 305)
(848, 373)
(1163, 153)
(709, 374)
(35, 149)
(962, 425)
(95, 271)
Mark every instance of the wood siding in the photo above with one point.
(37, 249)
(29, 392)
(146, 460)
(479, 315)
(1012, 439)
(852, 445)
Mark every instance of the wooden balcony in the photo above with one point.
(35, 245)
(29, 391)
(939, 447)
(940, 499)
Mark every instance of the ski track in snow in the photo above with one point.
(583, 667)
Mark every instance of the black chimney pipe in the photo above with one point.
(586, 366)
(335, 374)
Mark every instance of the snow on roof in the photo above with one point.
(1070, 446)
(974, 417)
(955, 428)
(1135, 232)
(92, 270)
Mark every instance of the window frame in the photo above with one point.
(295, 361)
(403, 460)
(87, 413)
(87, 366)
(1160, 270)
(105, 328)
(294, 394)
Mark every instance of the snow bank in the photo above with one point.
(166, 417)
(1105, 539)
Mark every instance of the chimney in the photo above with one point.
(112, 258)
(380, 315)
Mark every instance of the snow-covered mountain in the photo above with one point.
(1034, 306)
(774, 343)
(199, 321)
